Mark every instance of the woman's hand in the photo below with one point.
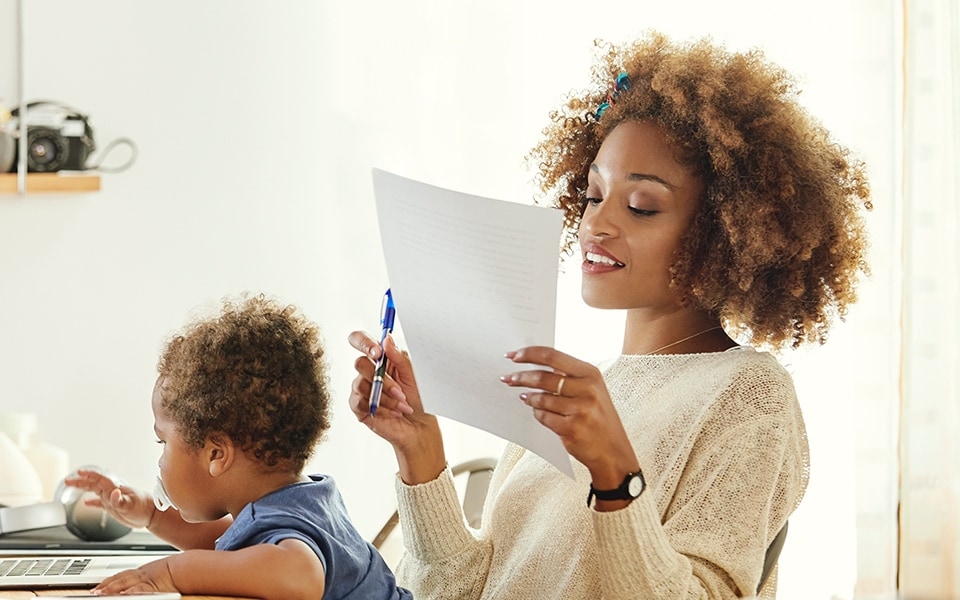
(571, 399)
(125, 504)
(400, 419)
(393, 400)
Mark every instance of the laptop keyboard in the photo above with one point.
(39, 567)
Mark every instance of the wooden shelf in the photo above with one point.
(51, 182)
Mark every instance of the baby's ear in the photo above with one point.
(220, 452)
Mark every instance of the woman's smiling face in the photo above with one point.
(640, 201)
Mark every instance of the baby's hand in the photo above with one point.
(125, 504)
(153, 576)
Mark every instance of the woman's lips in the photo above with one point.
(597, 260)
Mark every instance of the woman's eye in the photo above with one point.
(161, 442)
(642, 211)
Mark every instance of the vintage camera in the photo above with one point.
(58, 137)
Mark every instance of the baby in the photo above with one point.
(240, 402)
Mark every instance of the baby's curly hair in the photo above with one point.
(255, 372)
(779, 243)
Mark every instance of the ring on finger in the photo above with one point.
(559, 391)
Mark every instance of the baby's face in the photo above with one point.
(183, 469)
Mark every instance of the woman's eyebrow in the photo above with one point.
(649, 177)
(641, 177)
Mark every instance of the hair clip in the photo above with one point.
(621, 84)
(602, 109)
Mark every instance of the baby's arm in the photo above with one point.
(170, 527)
(288, 570)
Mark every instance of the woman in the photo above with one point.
(708, 204)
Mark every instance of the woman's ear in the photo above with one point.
(221, 452)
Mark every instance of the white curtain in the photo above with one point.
(929, 552)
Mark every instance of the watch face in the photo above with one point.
(636, 486)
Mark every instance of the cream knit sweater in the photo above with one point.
(721, 442)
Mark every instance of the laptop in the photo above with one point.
(54, 558)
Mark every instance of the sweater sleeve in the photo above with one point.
(443, 558)
(736, 491)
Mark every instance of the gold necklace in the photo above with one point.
(689, 337)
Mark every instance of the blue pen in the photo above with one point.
(388, 313)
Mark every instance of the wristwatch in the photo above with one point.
(632, 486)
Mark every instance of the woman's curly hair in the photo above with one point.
(255, 372)
(778, 245)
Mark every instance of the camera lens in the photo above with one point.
(46, 150)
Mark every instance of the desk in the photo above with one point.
(29, 594)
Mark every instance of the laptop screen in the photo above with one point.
(59, 538)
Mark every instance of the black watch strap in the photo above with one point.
(631, 487)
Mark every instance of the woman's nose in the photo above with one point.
(599, 219)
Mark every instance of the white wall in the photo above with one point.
(257, 124)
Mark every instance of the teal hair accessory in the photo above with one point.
(621, 84)
(602, 109)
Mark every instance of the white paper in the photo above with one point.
(472, 278)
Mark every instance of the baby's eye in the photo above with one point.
(590, 200)
(161, 442)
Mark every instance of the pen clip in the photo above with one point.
(388, 314)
